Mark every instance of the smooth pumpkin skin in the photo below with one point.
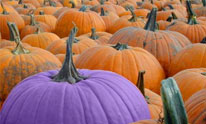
(41, 40)
(190, 81)
(59, 46)
(15, 68)
(164, 45)
(195, 107)
(83, 20)
(192, 56)
(126, 63)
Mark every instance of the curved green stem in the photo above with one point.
(94, 36)
(151, 24)
(174, 111)
(191, 15)
(14, 36)
(68, 72)
(4, 10)
(73, 4)
(120, 46)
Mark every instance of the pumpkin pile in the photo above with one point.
(102, 62)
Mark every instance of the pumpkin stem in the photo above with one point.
(171, 17)
(68, 72)
(51, 3)
(151, 24)
(170, 6)
(140, 82)
(14, 35)
(102, 12)
(203, 40)
(204, 3)
(102, 2)
(38, 30)
(191, 15)
(73, 4)
(33, 21)
(120, 46)
(41, 12)
(4, 10)
(152, 2)
(25, 6)
(174, 111)
(83, 8)
(134, 17)
(94, 36)
(203, 73)
(20, 2)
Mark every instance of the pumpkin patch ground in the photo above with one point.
(102, 62)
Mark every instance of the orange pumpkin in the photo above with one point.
(162, 44)
(18, 62)
(125, 22)
(80, 45)
(193, 29)
(195, 78)
(12, 17)
(125, 61)
(192, 56)
(32, 27)
(40, 39)
(83, 19)
(195, 107)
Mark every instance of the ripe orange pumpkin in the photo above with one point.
(12, 17)
(125, 61)
(18, 62)
(80, 45)
(193, 29)
(84, 20)
(195, 78)
(40, 39)
(195, 107)
(162, 44)
(192, 56)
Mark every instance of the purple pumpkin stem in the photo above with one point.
(68, 72)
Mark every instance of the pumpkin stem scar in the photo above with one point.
(151, 24)
(191, 14)
(120, 46)
(140, 82)
(4, 10)
(14, 35)
(94, 36)
(68, 72)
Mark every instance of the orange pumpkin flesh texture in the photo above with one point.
(196, 107)
(126, 62)
(83, 19)
(191, 81)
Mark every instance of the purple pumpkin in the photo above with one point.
(69, 96)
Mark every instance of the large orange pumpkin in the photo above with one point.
(125, 61)
(83, 19)
(162, 44)
(40, 39)
(191, 81)
(18, 62)
(196, 107)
